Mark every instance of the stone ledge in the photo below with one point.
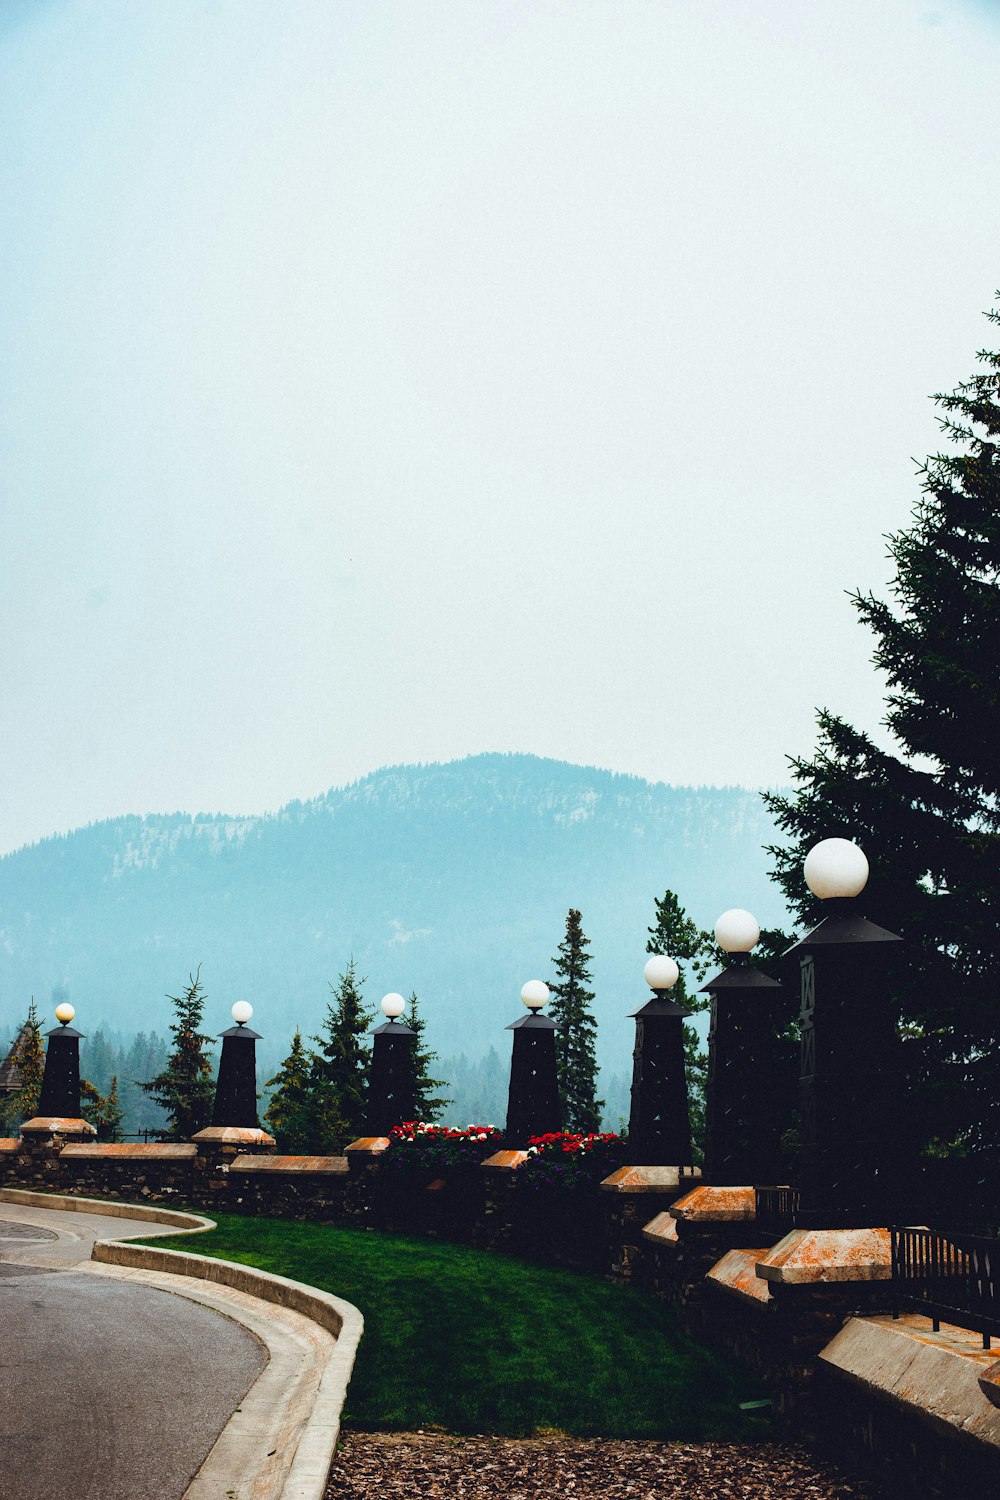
(708, 1205)
(10, 1145)
(131, 1151)
(662, 1230)
(505, 1161)
(320, 1166)
(233, 1135)
(368, 1145)
(648, 1179)
(810, 1256)
(736, 1274)
(934, 1376)
(57, 1125)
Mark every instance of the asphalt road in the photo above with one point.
(109, 1389)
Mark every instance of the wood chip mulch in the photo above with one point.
(384, 1466)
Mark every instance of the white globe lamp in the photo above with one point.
(65, 1013)
(393, 1005)
(242, 1011)
(835, 868)
(661, 972)
(535, 993)
(737, 930)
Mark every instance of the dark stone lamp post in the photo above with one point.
(533, 1106)
(743, 1118)
(390, 1092)
(59, 1100)
(235, 1126)
(659, 1133)
(849, 1099)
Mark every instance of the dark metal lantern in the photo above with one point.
(60, 1093)
(659, 1132)
(533, 1106)
(391, 1089)
(236, 1086)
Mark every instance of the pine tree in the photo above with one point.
(303, 1113)
(28, 1058)
(570, 1009)
(103, 1111)
(427, 1103)
(185, 1088)
(675, 934)
(341, 1060)
(927, 813)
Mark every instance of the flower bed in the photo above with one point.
(417, 1147)
(565, 1160)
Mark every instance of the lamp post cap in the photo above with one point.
(835, 868)
(535, 993)
(660, 972)
(65, 1013)
(241, 1012)
(737, 930)
(393, 1005)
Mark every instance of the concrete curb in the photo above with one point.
(307, 1477)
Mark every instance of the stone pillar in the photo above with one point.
(390, 1092)
(533, 1106)
(849, 1101)
(743, 1105)
(659, 1133)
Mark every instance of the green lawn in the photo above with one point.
(477, 1342)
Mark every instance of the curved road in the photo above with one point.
(109, 1389)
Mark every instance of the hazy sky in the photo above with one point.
(393, 381)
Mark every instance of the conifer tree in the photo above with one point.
(570, 1009)
(185, 1088)
(927, 813)
(28, 1058)
(427, 1103)
(103, 1111)
(302, 1114)
(341, 1059)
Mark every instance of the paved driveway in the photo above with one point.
(109, 1389)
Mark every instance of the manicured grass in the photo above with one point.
(477, 1342)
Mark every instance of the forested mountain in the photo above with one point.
(452, 880)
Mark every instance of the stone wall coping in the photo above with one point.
(57, 1125)
(648, 1179)
(807, 1256)
(705, 1204)
(233, 1135)
(736, 1273)
(9, 1145)
(369, 1145)
(327, 1166)
(131, 1151)
(662, 1230)
(935, 1376)
(505, 1161)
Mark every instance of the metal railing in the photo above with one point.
(951, 1278)
(776, 1208)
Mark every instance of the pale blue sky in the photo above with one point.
(386, 382)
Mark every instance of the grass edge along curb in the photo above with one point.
(309, 1472)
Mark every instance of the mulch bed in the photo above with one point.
(380, 1466)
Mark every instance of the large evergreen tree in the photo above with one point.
(342, 1059)
(927, 813)
(185, 1088)
(303, 1112)
(570, 1009)
(428, 1104)
(28, 1057)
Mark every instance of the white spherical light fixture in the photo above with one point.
(393, 1005)
(660, 972)
(65, 1013)
(535, 993)
(737, 930)
(835, 867)
(242, 1011)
